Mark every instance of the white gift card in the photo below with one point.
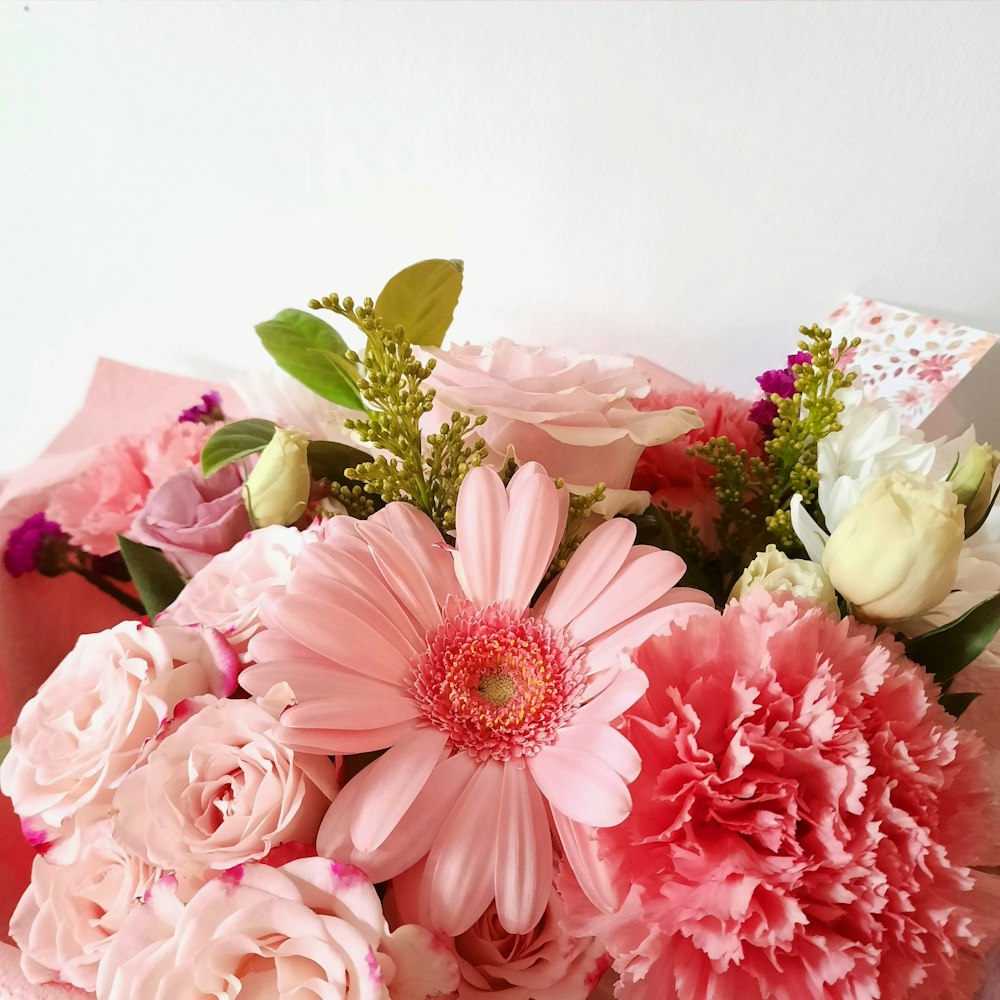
(912, 361)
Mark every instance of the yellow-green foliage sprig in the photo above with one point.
(425, 473)
(581, 506)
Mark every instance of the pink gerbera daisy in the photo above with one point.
(496, 714)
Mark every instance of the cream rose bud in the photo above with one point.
(221, 790)
(277, 489)
(895, 553)
(972, 482)
(772, 570)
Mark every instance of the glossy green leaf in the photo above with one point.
(310, 350)
(948, 649)
(956, 704)
(4, 746)
(235, 441)
(153, 574)
(422, 299)
(329, 459)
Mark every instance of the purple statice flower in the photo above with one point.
(777, 382)
(208, 411)
(25, 544)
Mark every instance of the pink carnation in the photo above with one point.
(805, 819)
(681, 481)
(103, 500)
(310, 929)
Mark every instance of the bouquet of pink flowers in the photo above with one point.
(503, 670)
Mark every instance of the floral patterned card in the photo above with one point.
(912, 361)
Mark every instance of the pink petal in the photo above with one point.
(314, 678)
(581, 785)
(459, 877)
(532, 534)
(415, 833)
(524, 852)
(592, 567)
(621, 694)
(479, 521)
(391, 783)
(579, 844)
(628, 593)
(604, 742)
(352, 711)
(323, 739)
(347, 639)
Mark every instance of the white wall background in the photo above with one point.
(689, 180)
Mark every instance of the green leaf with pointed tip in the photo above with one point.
(948, 649)
(956, 704)
(153, 574)
(4, 746)
(311, 351)
(422, 299)
(235, 441)
(329, 459)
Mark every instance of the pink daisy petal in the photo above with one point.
(624, 690)
(606, 743)
(350, 711)
(319, 739)
(480, 516)
(534, 528)
(633, 588)
(458, 881)
(309, 683)
(592, 568)
(580, 845)
(413, 835)
(351, 642)
(524, 852)
(581, 785)
(391, 783)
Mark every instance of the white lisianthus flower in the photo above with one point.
(895, 554)
(772, 570)
(277, 489)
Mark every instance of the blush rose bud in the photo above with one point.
(277, 489)
(895, 554)
(772, 570)
(972, 482)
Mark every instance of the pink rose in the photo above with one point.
(310, 929)
(192, 518)
(220, 790)
(103, 500)
(571, 412)
(87, 726)
(226, 594)
(545, 963)
(69, 914)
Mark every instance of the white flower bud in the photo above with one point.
(972, 481)
(277, 490)
(895, 553)
(772, 570)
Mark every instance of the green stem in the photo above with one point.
(107, 587)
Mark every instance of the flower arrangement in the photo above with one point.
(506, 670)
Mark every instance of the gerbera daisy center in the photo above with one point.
(499, 683)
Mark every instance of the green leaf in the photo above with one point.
(948, 649)
(4, 746)
(233, 442)
(956, 704)
(969, 532)
(422, 299)
(311, 351)
(153, 574)
(329, 459)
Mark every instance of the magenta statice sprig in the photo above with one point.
(208, 411)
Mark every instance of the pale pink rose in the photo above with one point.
(571, 412)
(545, 963)
(310, 930)
(102, 501)
(219, 790)
(90, 721)
(67, 917)
(192, 518)
(226, 594)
